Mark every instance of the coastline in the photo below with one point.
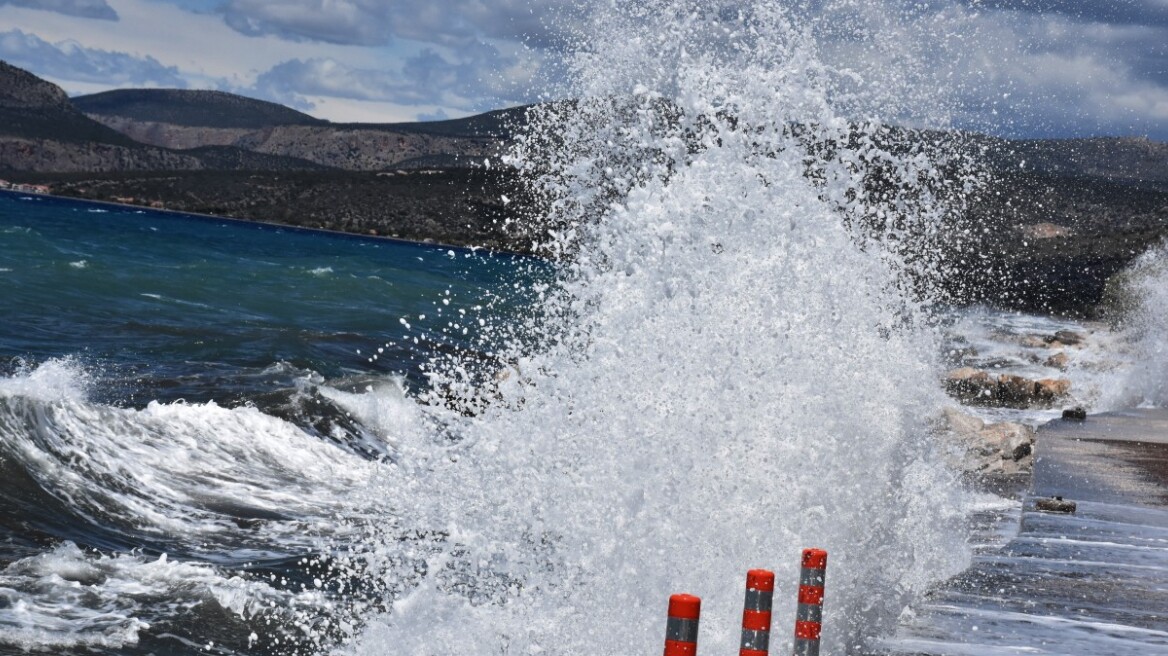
(1085, 581)
(272, 224)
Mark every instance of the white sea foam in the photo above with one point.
(215, 484)
(66, 598)
(178, 471)
(728, 377)
(1143, 337)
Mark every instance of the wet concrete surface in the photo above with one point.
(1091, 582)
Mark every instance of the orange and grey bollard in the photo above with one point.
(756, 613)
(681, 631)
(809, 616)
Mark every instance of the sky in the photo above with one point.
(1019, 68)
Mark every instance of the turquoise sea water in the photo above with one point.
(180, 416)
(165, 306)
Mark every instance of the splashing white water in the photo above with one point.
(729, 376)
(197, 473)
(1142, 294)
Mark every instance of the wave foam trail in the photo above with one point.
(734, 370)
(231, 482)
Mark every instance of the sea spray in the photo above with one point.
(735, 370)
(1137, 302)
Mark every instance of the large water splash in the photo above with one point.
(731, 367)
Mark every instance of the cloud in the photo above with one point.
(1153, 13)
(375, 22)
(433, 116)
(1023, 73)
(477, 77)
(70, 61)
(83, 8)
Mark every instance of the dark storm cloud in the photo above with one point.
(70, 61)
(83, 8)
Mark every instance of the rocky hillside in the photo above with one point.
(1127, 160)
(182, 120)
(1057, 219)
(456, 206)
(42, 131)
(33, 109)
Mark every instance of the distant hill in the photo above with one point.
(1127, 160)
(193, 108)
(41, 130)
(33, 108)
(1053, 222)
(497, 124)
(185, 120)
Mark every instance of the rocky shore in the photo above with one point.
(1003, 449)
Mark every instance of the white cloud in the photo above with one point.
(69, 60)
(376, 22)
(85, 8)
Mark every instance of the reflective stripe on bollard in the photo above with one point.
(681, 630)
(809, 615)
(756, 613)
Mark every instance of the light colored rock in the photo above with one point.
(989, 449)
(1068, 337)
(1051, 389)
(976, 387)
(962, 423)
(1059, 360)
(970, 384)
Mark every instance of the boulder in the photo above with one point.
(1014, 391)
(988, 449)
(1068, 337)
(1033, 341)
(976, 387)
(1049, 390)
(969, 384)
(1058, 361)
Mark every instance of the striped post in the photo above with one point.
(809, 616)
(681, 631)
(756, 613)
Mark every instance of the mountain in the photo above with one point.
(182, 120)
(33, 108)
(196, 108)
(1125, 160)
(41, 130)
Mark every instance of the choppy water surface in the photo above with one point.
(228, 438)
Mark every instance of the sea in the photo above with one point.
(224, 437)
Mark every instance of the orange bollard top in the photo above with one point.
(685, 606)
(760, 579)
(815, 558)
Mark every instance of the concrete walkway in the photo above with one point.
(1092, 582)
